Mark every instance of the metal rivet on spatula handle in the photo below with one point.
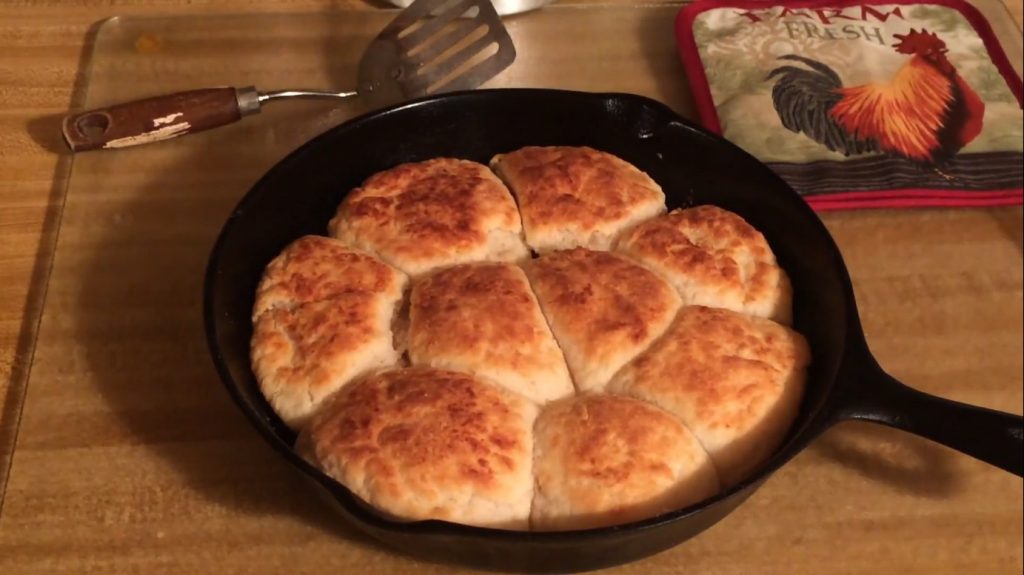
(92, 125)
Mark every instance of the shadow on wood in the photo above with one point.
(1011, 221)
(895, 458)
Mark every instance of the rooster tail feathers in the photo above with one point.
(815, 65)
(804, 97)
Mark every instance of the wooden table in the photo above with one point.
(175, 481)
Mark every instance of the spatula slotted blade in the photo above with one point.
(435, 46)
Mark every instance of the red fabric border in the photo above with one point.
(916, 193)
(825, 203)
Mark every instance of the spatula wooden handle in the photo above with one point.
(158, 118)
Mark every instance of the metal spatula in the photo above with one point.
(433, 46)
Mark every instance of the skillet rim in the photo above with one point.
(796, 440)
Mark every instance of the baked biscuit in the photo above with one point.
(603, 459)
(426, 215)
(421, 443)
(736, 381)
(322, 317)
(577, 196)
(602, 308)
(714, 258)
(316, 268)
(483, 319)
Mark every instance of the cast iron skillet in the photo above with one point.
(300, 194)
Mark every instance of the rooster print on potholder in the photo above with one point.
(862, 105)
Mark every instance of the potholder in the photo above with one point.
(862, 104)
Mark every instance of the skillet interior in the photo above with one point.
(300, 194)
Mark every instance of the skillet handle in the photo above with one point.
(992, 436)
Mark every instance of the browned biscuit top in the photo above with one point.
(316, 268)
(736, 381)
(602, 459)
(423, 215)
(575, 191)
(483, 319)
(425, 443)
(714, 258)
(602, 307)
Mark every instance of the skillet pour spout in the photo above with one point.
(300, 194)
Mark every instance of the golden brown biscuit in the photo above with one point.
(322, 317)
(426, 215)
(301, 356)
(736, 381)
(576, 196)
(315, 268)
(420, 443)
(603, 309)
(483, 319)
(715, 258)
(604, 459)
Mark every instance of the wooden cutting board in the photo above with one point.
(131, 458)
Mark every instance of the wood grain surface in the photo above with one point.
(120, 453)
